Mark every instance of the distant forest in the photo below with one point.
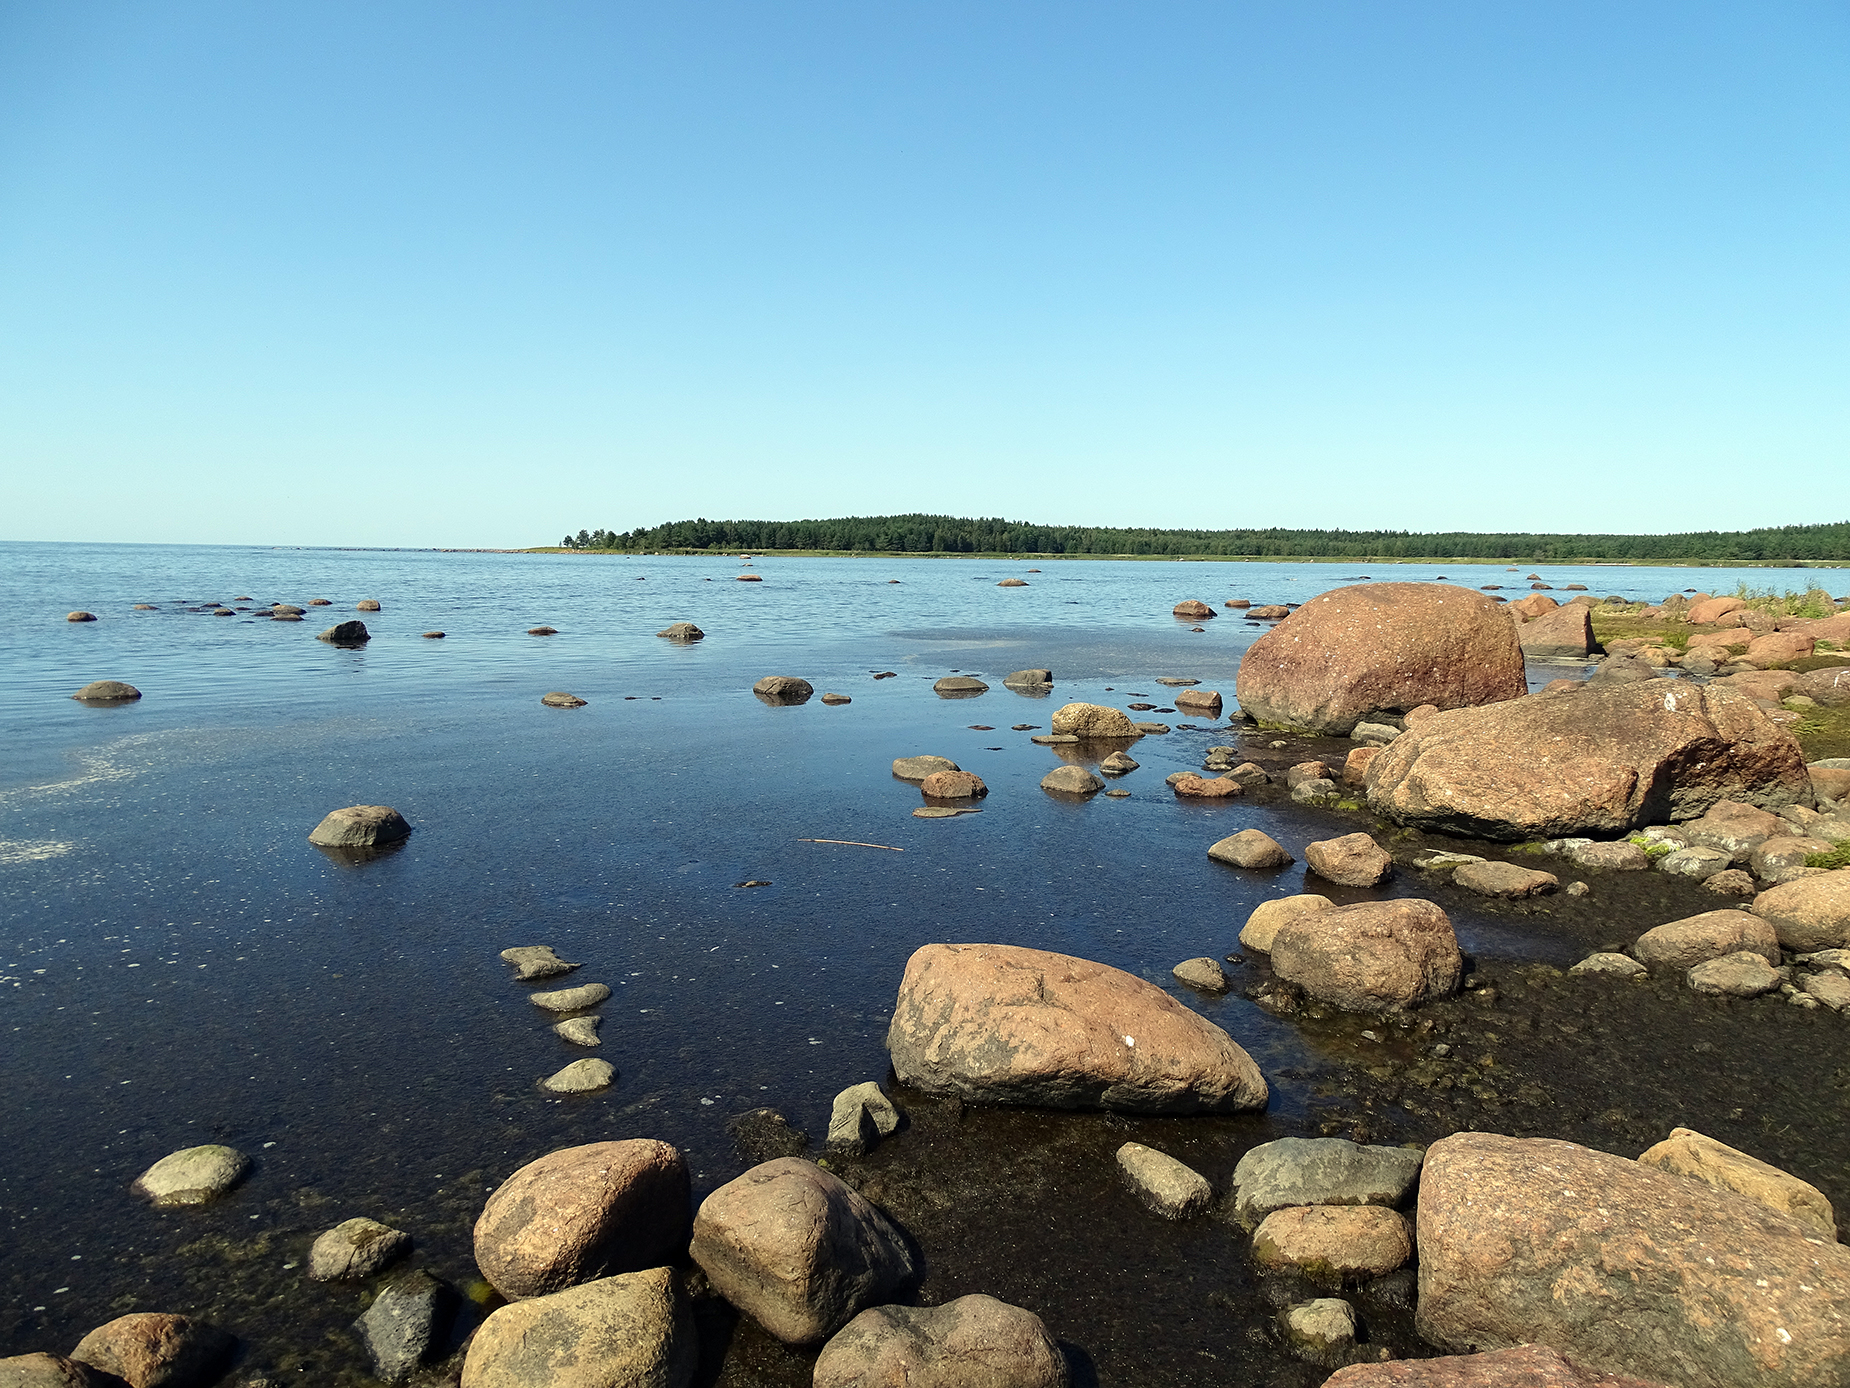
(956, 535)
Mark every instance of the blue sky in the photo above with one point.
(479, 274)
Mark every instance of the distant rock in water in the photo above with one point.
(581, 1077)
(560, 699)
(320, 602)
(750, 578)
(1071, 780)
(360, 826)
(682, 631)
(783, 689)
(1192, 610)
(107, 692)
(835, 700)
(81, 617)
(1092, 720)
(542, 631)
(959, 687)
(918, 768)
(346, 634)
(366, 605)
(953, 785)
(1013, 583)
(428, 636)
(1027, 679)
(533, 962)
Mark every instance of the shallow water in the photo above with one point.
(179, 965)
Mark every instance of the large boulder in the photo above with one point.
(797, 1250)
(1603, 761)
(1810, 914)
(1375, 646)
(360, 826)
(1709, 610)
(582, 1213)
(1269, 917)
(632, 1331)
(1690, 1153)
(1093, 720)
(352, 633)
(1373, 956)
(972, 1342)
(193, 1175)
(1683, 944)
(1564, 633)
(1009, 1025)
(1624, 1268)
(1526, 1366)
(107, 692)
(1354, 860)
(152, 1349)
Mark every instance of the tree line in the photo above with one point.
(921, 534)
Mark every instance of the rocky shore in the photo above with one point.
(1477, 1196)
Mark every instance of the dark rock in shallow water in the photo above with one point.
(346, 634)
(405, 1324)
(560, 699)
(783, 690)
(764, 1134)
(360, 826)
(81, 617)
(682, 631)
(959, 687)
(355, 1248)
(150, 1349)
(107, 692)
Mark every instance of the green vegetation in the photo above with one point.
(923, 534)
(1823, 732)
(1813, 602)
(1838, 857)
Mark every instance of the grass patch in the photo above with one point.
(1653, 848)
(1824, 732)
(1813, 602)
(1838, 857)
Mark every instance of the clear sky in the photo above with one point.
(460, 273)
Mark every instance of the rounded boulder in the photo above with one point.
(1373, 956)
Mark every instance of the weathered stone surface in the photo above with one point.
(360, 826)
(1269, 917)
(535, 962)
(1730, 882)
(632, 1331)
(1354, 860)
(1830, 988)
(763, 1133)
(355, 1248)
(1605, 761)
(1173, 1189)
(1006, 1024)
(1071, 780)
(1625, 1268)
(1190, 609)
(1296, 1171)
(1698, 863)
(345, 634)
(81, 617)
(1783, 859)
(151, 1349)
(1313, 770)
(1322, 1331)
(1829, 687)
(580, 1031)
(1735, 829)
(1683, 944)
(834, 700)
(861, 1116)
(1118, 764)
(797, 1250)
(1355, 766)
(1711, 610)
(959, 686)
(1192, 787)
(1093, 720)
(1564, 633)
(1251, 848)
(1526, 1366)
(1812, 913)
(1687, 1152)
(1199, 701)
(1334, 1242)
(558, 698)
(918, 768)
(542, 631)
(51, 1371)
(582, 1213)
(1373, 956)
(682, 631)
(193, 1175)
(1350, 652)
(1533, 606)
(783, 690)
(107, 692)
(570, 999)
(1743, 974)
(404, 1326)
(1013, 583)
(1027, 679)
(1615, 965)
(1202, 972)
(581, 1077)
(953, 785)
(1608, 857)
(1504, 879)
(972, 1342)
(1249, 774)
(1377, 734)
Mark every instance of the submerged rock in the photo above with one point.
(535, 962)
(193, 1175)
(783, 690)
(355, 1248)
(570, 999)
(581, 1077)
(959, 686)
(151, 1349)
(560, 699)
(972, 1342)
(107, 692)
(1173, 1189)
(405, 1325)
(1010, 1025)
(682, 631)
(797, 1250)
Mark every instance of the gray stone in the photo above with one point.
(1608, 857)
(1504, 879)
(682, 631)
(1027, 679)
(1118, 764)
(797, 1250)
(107, 692)
(1830, 988)
(783, 690)
(1251, 848)
(972, 1342)
(1174, 1190)
(1320, 1171)
(1203, 973)
(918, 768)
(1315, 793)
(534, 962)
(959, 687)
(580, 1031)
(1698, 863)
(1249, 774)
(570, 999)
(861, 1117)
(360, 826)
(1783, 859)
(1742, 975)
(630, 1331)
(581, 1077)
(1614, 965)
(1071, 780)
(193, 1175)
(355, 1248)
(405, 1325)
(1445, 862)
(1373, 734)
(1322, 1331)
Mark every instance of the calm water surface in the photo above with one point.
(178, 965)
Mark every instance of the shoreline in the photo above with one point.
(1350, 559)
